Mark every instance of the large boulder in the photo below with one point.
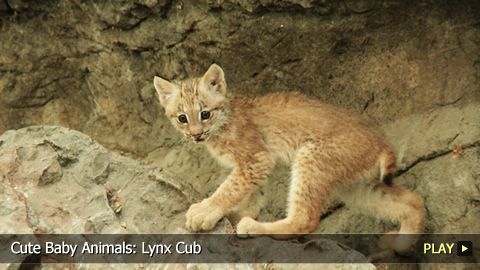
(59, 181)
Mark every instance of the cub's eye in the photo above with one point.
(182, 118)
(205, 115)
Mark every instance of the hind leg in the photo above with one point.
(309, 195)
(400, 205)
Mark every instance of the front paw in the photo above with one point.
(203, 216)
(248, 227)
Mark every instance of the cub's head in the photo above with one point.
(197, 107)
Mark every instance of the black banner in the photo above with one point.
(225, 248)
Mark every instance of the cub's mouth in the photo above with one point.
(200, 137)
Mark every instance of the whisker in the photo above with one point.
(183, 140)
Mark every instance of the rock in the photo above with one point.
(90, 67)
(79, 175)
(13, 210)
(56, 180)
(424, 144)
(425, 136)
(59, 181)
(3, 6)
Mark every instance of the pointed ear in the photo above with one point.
(215, 79)
(164, 88)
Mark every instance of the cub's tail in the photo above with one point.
(388, 166)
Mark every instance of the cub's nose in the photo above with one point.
(197, 136)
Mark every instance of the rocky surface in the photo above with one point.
(59, 181)
(449, 183)
(89, 66)
(412, 68)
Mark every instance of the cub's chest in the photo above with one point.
(224, 151)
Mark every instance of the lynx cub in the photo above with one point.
(331, 152)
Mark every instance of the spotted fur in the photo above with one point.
(331, 152)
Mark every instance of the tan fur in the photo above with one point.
(330, 151)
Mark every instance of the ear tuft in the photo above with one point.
(164, 88)
(214, 77)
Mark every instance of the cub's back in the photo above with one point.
(288, 121)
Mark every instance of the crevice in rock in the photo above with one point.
(21, 198)
(369, 101)
(451, 102)
(332, 210)
(475, 202)
(278, 41)
(453, 138)
(126, 47)
(291, 61)
(435, 155)
(185, 34)
(138, 23)
(148, 123)
(256, 73)
(114, 202)
(63, 159)
(209, 43)
(31, 262)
